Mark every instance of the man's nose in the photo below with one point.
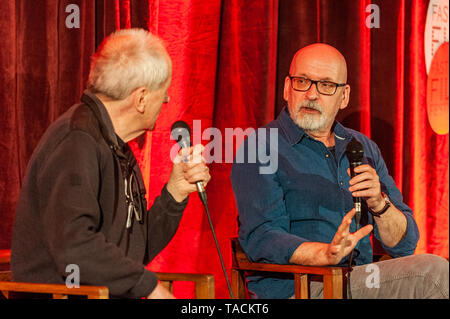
(312, 93)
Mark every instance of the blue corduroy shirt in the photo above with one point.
(304, 199)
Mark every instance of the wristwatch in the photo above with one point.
(385, 208)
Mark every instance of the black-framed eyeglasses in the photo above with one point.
(303, 84)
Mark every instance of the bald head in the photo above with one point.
(322, 58)
(312, 109)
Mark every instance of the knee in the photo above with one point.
(434, 265)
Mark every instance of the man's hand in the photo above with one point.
(392, 224)
(188, 168)
(343, 241)
(160, 293)
(367, 185)
(322, 254)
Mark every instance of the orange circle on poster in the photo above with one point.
(437, 91)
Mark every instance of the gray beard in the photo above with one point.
(312, 122)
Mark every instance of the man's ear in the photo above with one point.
(345, 97)
(140, 99)
(286, 88)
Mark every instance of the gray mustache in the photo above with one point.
(311, 105)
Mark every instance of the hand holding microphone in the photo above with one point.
(364, 182)
(189, 171)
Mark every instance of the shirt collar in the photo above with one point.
(294, 133)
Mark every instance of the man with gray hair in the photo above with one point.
(83, 200)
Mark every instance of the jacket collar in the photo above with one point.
(106, 125)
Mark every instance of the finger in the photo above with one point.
(344, 228)
(349, 215)
(187, 165)
(368, 193)
(186, 151)
(363, 168)
(363, 232)
(360, 169)
(362, 177)
(342, 231)
(196, 154)
(177, 159)
(184, 154)
(192, 168)
(197, 173)
(193, 162)
(363, 185)
(198, 149)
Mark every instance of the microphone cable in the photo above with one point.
(350, 267)
(181, 133)
(355, 154)
(205, 203)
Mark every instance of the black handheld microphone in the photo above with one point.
(355, 153)
(181, 132)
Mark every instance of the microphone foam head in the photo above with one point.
(181, 132)
(354, 151)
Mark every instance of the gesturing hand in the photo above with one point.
(344, 241)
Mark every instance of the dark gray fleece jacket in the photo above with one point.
(73, 209)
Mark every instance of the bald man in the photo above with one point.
(303, 213)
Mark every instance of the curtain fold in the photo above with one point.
(230, 58)
(11, 172)
(44, 65)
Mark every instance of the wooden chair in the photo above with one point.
(333, 277)
(204, 285)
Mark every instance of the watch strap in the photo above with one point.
(385, 208)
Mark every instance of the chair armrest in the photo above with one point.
(58, 291)
(240, 261)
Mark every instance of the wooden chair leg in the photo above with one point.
(333, 286)
(301, 286)
(237, 284)
(204, 288)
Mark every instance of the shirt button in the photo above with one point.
(327, 155)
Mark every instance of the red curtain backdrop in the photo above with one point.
(230, 58)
